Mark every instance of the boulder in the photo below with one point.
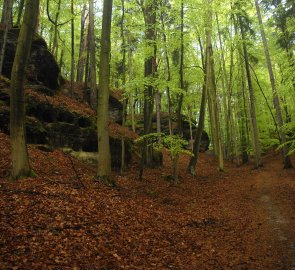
(42, 67)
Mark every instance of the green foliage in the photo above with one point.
(267, 143)
(289, 129)
(173, 143)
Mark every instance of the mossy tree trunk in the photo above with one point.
(104, 155)
(19, 154)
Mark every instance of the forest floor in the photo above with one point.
(62, 219)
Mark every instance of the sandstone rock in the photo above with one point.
(42, 67)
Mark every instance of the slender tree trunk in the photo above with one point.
(122, 169)
(82, 49)
(61, 59)
(158, 111)
(211, 91)
(72, 49)
(276, 101)
(252, 100)
(181, 79)
(92, 62)
(168, 72)
(54, 47)
(226, 97)
(86, 79)
(130, 73)
(198, 136)
(6, 20)
(150, 70)
(19, 154)
(20, 11)
(104, 155)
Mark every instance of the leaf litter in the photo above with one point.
(62, 219)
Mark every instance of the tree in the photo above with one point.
(104, 156)
(149, 14)
(7, 22)
(276, 101)
(256, 145)
(19, 154)
(7, 18)
(20, 11)
(72, 49)
(92, 62)
(211, 91)
(83, 41)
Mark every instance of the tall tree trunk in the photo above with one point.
(158, 111)
(168, 78)
(82, 49)
(149, 70)
(104, 155)
(72, 49)
(54, 48)
(198, 136)
(256, 145)
(287, 159)
(181, 79)
(20, 11)
(19, 154)
(6, 21)
(211, 91)
(92, 62)
(130, 74)
(7, 18)
(122, 169)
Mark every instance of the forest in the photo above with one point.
(147, 134)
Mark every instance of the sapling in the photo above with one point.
(174, 144)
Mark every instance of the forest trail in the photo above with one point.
(276, 199)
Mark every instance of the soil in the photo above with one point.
(62, 219)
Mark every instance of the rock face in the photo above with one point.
(59, 127)
(42, 67)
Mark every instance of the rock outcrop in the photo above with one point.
(60, 122)
(42, 67)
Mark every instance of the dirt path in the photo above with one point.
(275, 194)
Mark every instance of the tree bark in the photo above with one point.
(256, 145)
(211, 91)
(198, 136)
(149, 70)
(19, 154)
(82, 49)
(72, 49)
(122, 169)
(104, 156)
(92, 62)
(276, 101)
(20, 11)
(181, 79)
(6, 20)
